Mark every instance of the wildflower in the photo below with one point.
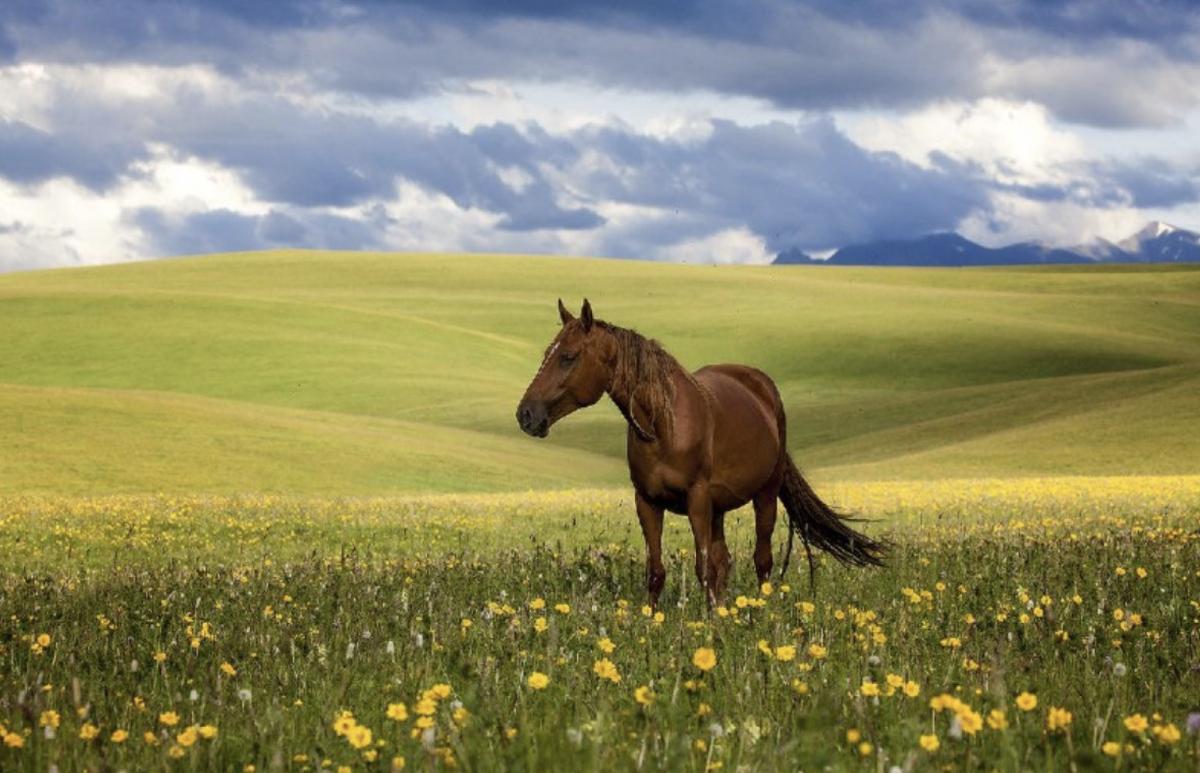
(605, 669)
(1111, 748)
(1027, 701)
(88, 731)
(119, 736)
(188, 737)
(869, 690)
(538, 681)
(14, 740)
(397, 764)
(853, 736)
(176, 752)
(970, 721)
(243, 695)
(1193, 723)
(785, 653)
(930, 743)
(397, 712)
(540, 625)
(228, 669)
(359, 737)
(1058, 719)
(49, 718)
(704, 659)
(997, 720)
(912, 689)
(1119, 669)
(207, 732)
(150, 738)
(644, 696)
(343, 723)
(43, 640)
(537, 604)
(160, 657)
(439, 691)
(817, 652)
(1136, 723)
(1167, 734)
(562, 609)
(606, 645)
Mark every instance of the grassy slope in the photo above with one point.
(358, 373)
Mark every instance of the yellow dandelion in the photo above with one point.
(88, 731)
(704, 659)
(169, 718)
(228, 669)
(1027, 701)
(397, 712)
(930, 743)
(912, 689)
(207, 732)
(119, 736)
(1111, 749)
(785, 653)
(869, 690)
(997, 720)
(817, 652)
(644, 696)
(538, 681)
(1058, 719)
(1136, 723)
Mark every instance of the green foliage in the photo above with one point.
(215, 634)
(352, 374)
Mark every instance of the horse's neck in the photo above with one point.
(647, 423)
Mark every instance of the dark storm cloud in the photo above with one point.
(820, 54)
(29, 156)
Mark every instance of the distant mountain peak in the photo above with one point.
(1157, 242)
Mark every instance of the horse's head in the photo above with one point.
(576, 371)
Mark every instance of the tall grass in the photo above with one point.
(1016, 627)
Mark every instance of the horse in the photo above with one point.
(698, 444)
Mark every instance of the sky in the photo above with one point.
(700, 131)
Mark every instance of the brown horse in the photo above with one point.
(699, 444)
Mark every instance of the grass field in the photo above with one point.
(340, 374)
(273, 513)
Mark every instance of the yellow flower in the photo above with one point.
(1058, 719)
(43, 640)
(996, 719)
(1027, 701)
(704, 659)
(1167, 734)
(177, 752)
(869, 690)
(537, 604)
(895, 681)
(930, 743)
(188, 737)
(970, 721)
(169, 718)
(228, 669)
(785, 653)
(88, 731)
(643, 696)
(606, 645)
(865, 748)
(562, 609)
(853, 736)
(1111, 748)
(14, 740)
(816, 651)
(207, 732)
(119, 736)
(605, 669)
(1136, 723)
(538, 681)
(439, 692)
(540, 625)
(344, 723)
(49, 718)
(159, 657)
(359, 737)
(425, 707)
(397, 711)
(397, 764)
(912, 689)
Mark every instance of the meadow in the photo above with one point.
(1020, 625)
(272, 513)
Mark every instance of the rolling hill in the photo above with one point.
(364, 374)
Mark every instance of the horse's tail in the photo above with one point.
(819, 524)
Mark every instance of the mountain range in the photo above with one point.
(1156, 243)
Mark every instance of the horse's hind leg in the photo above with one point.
(718, 555)
(766, 508)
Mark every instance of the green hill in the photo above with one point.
(352, 373)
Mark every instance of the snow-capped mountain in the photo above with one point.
(1156, 243)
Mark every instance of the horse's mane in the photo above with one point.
(644, 367)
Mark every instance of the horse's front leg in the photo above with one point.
(651, 518)
(699, 505)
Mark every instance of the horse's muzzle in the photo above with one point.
(534, 418)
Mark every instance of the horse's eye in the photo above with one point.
(568, 358)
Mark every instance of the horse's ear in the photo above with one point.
(586, 316)
(564, 314)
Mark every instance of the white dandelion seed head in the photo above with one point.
(575, 736)
(715, 730)
(955, 731)
(429, 739)
(874, 660)
(1119, 669)
(194, 696)
(244, 695)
